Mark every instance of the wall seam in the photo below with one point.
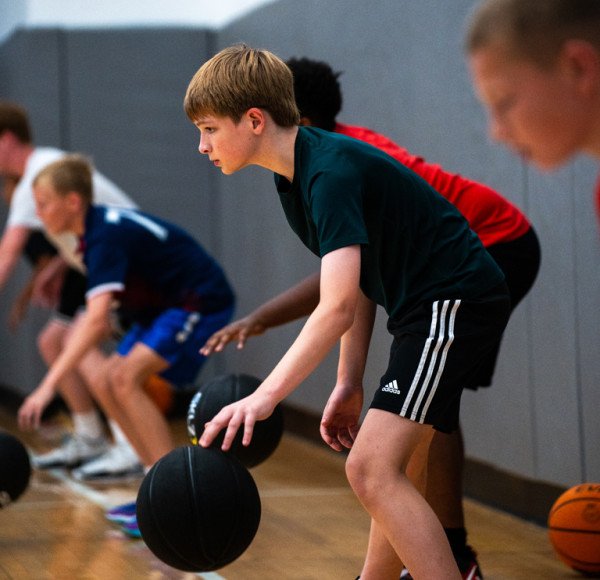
(576, 327)
(63, 90)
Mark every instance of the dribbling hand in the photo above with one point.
(246, 412)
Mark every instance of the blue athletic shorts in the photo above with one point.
(177, 335)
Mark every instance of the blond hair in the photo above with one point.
(533, 29)
(239, 78)
(72, 173)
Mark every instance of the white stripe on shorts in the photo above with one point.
(441, 332)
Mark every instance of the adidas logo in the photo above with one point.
(391, 388)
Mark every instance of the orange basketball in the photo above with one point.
(574, 527)
(161, 392)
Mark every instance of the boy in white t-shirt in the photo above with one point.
(61, 282)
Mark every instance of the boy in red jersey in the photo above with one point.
(503, 229)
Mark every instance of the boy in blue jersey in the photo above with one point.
(173, 294)
(385, 237)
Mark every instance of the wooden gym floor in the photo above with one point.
(312, 527)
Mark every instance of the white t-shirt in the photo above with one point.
(22, 206)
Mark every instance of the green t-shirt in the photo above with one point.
(415, 245)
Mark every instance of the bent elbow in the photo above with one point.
(343, 315)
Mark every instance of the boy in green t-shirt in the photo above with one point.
(384, 237)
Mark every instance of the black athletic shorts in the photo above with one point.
(520, 262)
(437, 350)
(72, 294)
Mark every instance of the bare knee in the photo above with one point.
(360, 472)
(98, 383)
(122, 382)
(50, 341)
(375, 478)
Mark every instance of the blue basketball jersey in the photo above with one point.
(150, 265)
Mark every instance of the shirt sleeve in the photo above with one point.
(22, 207)
(337, 210)
(108, 193)
(107, 268)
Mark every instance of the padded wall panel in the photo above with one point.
(587, 281)
(30, 74)
(125, 95)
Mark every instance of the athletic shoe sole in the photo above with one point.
(109, 478)
(63, 464)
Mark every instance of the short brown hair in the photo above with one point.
(14, 118)
(533, 29)
(71, 173)
(239, 78)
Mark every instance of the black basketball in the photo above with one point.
(198, 509)
(215, 394)
(15, 468)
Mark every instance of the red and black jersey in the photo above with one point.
(492, 217)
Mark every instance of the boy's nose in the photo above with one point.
(203, 147)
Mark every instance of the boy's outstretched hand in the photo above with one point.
(30, 412)
(239, 330)
(340, 421)
(246, 412)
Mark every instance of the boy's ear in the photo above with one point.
(257, 118)
(582, 62)
(74, 200)
(7, 136)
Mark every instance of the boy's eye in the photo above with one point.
(204, 128)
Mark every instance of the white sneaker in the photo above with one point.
(73, 452)
(119, 463)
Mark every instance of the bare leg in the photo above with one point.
(144, 417)
(444, 478)
(96, 368)
(376, 469)
(119, 389)
(381, 560)
(72, 388)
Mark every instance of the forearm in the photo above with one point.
(86, 334)
(297, 302)
(52, 267)
(319, 335)
(27, 292)
(354, 346)
(7, 265)
(22, 301)
(11, 247)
